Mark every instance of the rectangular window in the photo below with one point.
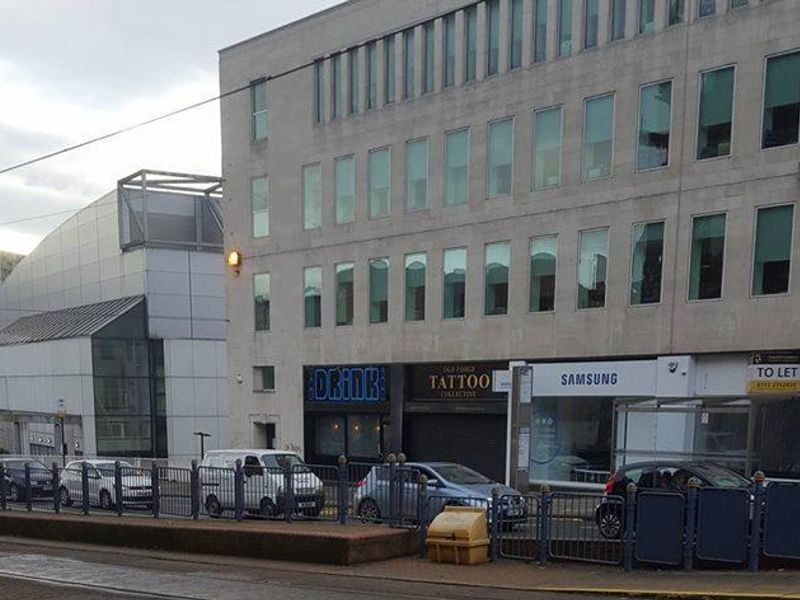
(417, 175)
(336, 86)
(706, 8)
(455, 280)
(345, 183)
(416, 267)
(492, 36)
(259, 193)
(646, 263)
(354, 87)
(715, 120)
(592, 268)
(456, 166)
(655, 110)
(319, 91)
(379, 290)
(676, 11)
(543, 253)
(515, 48)
(261, 298)
(591, 23)
(495, 275)
(470, 42)
(312, 296)
(540, 30)
(738, 4)
(772, 259)
(782, 100)
(617, 19)
(708, 251)
(260, 112)
(312, 196)
(449, 48)
(564, 27)
(598, 137)
(263, 379)
(389, 69)
(344, 294)
(500, 158)
(372, 75)
(647, 16)
(547, 148)
(408, 64)
(429, 48)
(379, 176)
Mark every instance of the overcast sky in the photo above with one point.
(74, 69)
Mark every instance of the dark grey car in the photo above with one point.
(41, 479)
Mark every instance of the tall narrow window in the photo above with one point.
(708, 252)
(677, 9)
(416, 267)
(354, 87)
(772, 259)
(449, 48)
(543, 255)
(598, 137)
(716, 113)
(336, 86)
(312, 196)
(455, 280)
(344, 294)
(389, 72)
(312, 296)
(345, 182)
(470, 42)
(782, 100)
(647, 16)
(738, 4)
(706, 8)
(564, 27)
(261, 298)
(492, 36)
(592, 268)
(259, 193)
(456, 159)
(591, 23)
(618, 19)
(496, 263)
(319, 91)
(379, 290)
(515, 38)
(379, 176)
(408, 64)
(547, 148)
(429, 48)
(540, 30)
(417, 175)
(372, 75)
(500, 158)
(647, 262)
(655, 109)
(260, 111)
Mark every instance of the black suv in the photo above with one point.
(658, 475)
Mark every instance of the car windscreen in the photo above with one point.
(461, 475)
(721, 477)
(107, 469)
(19, 465)
(282, 461)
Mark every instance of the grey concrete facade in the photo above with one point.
(737, 185)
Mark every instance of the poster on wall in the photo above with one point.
(774, 373)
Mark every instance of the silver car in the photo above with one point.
(137, 486)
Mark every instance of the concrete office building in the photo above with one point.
(425, 191)
(115, 323)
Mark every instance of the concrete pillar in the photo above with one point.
(578, 21)
(398, 67)
(504, 41)
(363, 79)
(552, 29)
(328, 87)
(527, 33)
(345, 95)
(460, 49)
(381, 58)
(660, 20)
(438, 55)
(480, 70)
(604, 23)
(419, 60)
(631, 18)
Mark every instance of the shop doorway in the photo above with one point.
(265, 436)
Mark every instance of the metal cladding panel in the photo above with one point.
(723, 519)
(782, 524)
(659, 527)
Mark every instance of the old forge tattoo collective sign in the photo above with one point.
(457, 381)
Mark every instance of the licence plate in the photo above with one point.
(306, 504)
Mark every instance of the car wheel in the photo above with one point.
(64, 497)
(105, 500)
(610, 524)
(266, 508)
(213, 507)
(369, 511)
(13, 493)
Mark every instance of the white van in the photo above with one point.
(265, 476)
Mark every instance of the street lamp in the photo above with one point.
(202, 435)
(61, 415)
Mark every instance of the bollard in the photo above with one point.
(423, 513)
(56, 489)
(238, 491)
(3, 488)
(494, 539)
(194, 491)
(119, 499)
(288, 488)
(693, 486)
(28, 490)
(85, 505)
(544, 525)
(155, 484)
(392, 459)
(755, 523)
(341, 494)
(630, 519)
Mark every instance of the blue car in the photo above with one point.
(449, 484)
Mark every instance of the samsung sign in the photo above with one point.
(628, 378)
(346, 384)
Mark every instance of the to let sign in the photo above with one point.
(774, 373)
